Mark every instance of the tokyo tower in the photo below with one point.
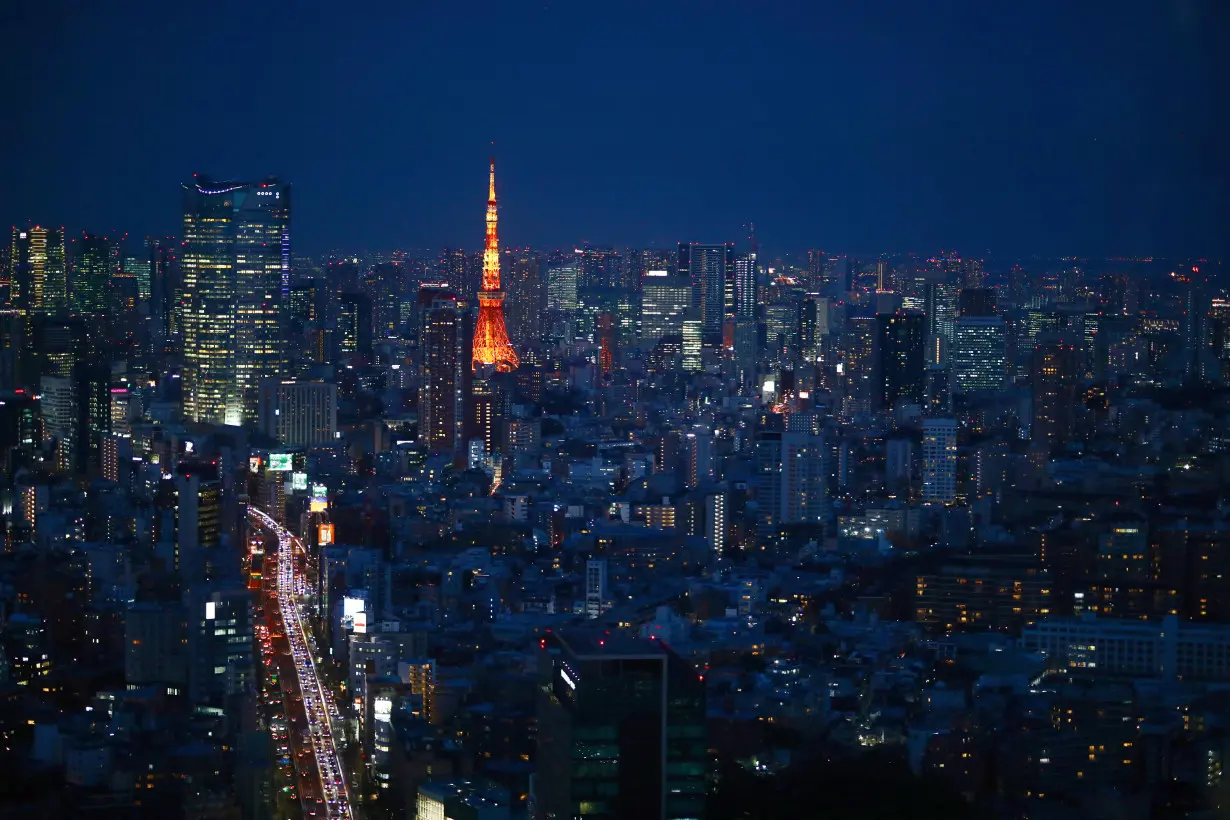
(491, 346)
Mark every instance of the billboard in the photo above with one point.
(281, 462)
(324, 534)
(320, 498)
(298, 482)
(352, 605)
(360, 622)
(254, 464)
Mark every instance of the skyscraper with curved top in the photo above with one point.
(236, 267)
(492, 350)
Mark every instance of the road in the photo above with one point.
(330, 796)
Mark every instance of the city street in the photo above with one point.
(312, 710)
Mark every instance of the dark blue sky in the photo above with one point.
(1048, 127)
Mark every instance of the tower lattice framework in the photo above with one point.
(491, 345)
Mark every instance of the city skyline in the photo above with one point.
(844, 130)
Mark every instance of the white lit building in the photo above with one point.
(939, 447)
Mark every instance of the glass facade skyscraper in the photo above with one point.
(38, 270)
(978, 353)
(236, 276)
(622, 730)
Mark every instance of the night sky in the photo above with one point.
(1049, 127)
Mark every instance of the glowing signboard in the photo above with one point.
(360, 622)
(254, 464)
(280, 463)
(324, 534)
(298, 482)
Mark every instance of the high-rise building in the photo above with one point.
(91, 274)
(599, 268)
(711, 270)
(979, 359)
(693, 338)
(1054, 373)
(527, 296)
(665, 302)
(562, 288)
(298, 414)
(139, 269)
(165, 308)
(38, 270)
(902, 359)
(441, 342)
(939, 448)
(976, 302)
(804, 481)
(491, 346)
(745, 287)
(860, 367)
(634, 712)
(236, 277)
(354, 325)
(940, 298)
(198, 525)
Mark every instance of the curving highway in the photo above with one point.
(331, 799)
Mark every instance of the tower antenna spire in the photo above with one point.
(492, 350)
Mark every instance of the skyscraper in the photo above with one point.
(236, 274)
(939, 448)
(491, 346)
(441, 413)
(91, 273)
(901, 358)
(562, 288)
(978, 353)
(298, 414)
(1054, 373)
(664, 304)
(621, 730)
(711, 269)
(38, 270)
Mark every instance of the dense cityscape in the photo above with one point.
(375, 469)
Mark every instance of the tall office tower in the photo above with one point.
(562, 288)
(860, 365)
(138, 268)
(304, 305)
(297, 413)
(745, 287)
(441, 413)
(693, 341)
(596, 600)
(817, 265)
(901, 358)
(491, 346)
(454, 267)
(485, 410)
(527, 296)
(606, 343)
(976, 302)
(939, 447)
(746, 337)
(354, 326)
(38, 270)
(382, 286)
(236, 273)
(166, 317)
(804, 481)
(971, 273)
(599, 268)
(198, 529)
(941, 311)
(1054, 375)
(711, 270)
(634, 711)
(60, 418)
(91, 274)
(1195, 330)
(979, 358)
(221, 667)
(665, 302)
(1219, 339)
(813, 325)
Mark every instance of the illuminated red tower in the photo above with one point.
(491, 346)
